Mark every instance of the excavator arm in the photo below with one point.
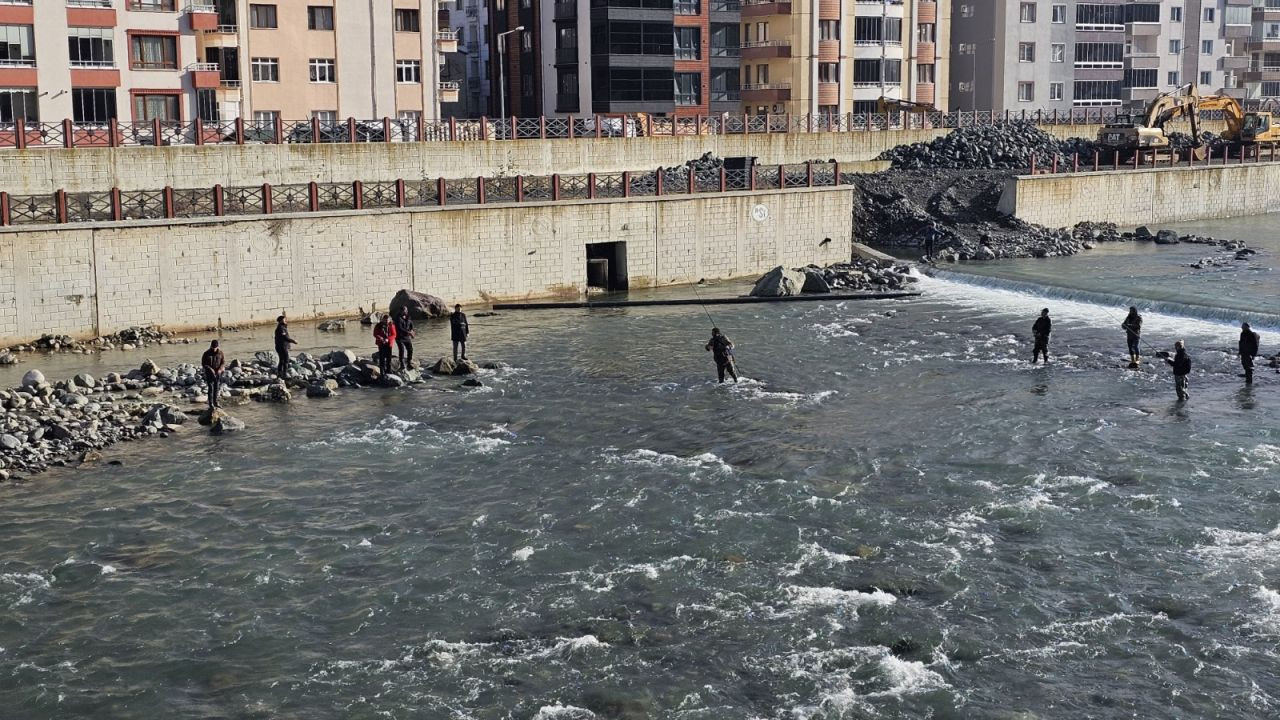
(1231, 112)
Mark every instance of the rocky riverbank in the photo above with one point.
(857, 275)
(46, 424)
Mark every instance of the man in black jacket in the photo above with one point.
(404, 338)
(1041, 331)
(213, 362)
(721, 348)
(1181, 369)
(1132, 326)
(283, 341)
(1249, 342)
(459, 329)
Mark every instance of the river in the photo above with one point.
(894, 516)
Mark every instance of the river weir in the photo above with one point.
(894, 515)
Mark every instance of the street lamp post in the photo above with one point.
(502, 69)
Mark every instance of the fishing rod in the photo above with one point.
(703, 305)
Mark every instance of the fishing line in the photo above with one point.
(703, 305)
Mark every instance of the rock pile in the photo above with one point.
(127, 339)
(1003, 146)
(856, 276)
(48, 424)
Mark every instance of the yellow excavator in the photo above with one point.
(1245, 128)
(887, 105)
(1148, 136)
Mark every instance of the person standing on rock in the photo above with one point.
(213, 362)
(283, 341)
(1249, 342)
(459, 329)
(384, 334)
(1181, 364)
(721, 348)
(1041, 330)
(404, 338)
(1132, 326)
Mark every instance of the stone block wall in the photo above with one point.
(189, 274)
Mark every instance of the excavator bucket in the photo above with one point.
(1199, 152)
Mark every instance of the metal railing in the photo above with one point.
(68, 134)
(116, 205)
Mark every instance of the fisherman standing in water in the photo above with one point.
(1181, 369)
(1249, 342)
(1041, 331)
(721, 349)
(1133, 334)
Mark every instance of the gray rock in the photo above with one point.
(84, 380)
(393, 381)
(226, 424)
(8, 359)
(421, 305)
(814, 282)
(340, 358)
(59, 432)
(36, 435)
(267, 357)
(32, 378)
(321, 390)
(465, 367)
(1143, 233)
(332, 326)
(1166, 237)
(149, 368)
(472, 383)
(276, 392)
(779, 282)
(10, 442)
(444, 366)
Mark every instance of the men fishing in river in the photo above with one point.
(1041, 329)
(721, 348)
(1181, 364)
(283, 341)
(1132, 326)
(1249, 342)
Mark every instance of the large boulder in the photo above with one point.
(33, 378)
(1166, 237)
(465, 367)
(444, 366)
(224, 424)
(340, 358)
(814, 282)
(421, 305)
(779, 282)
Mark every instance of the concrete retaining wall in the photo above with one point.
(1142, 197)
(95, 279)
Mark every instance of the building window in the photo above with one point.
(927, 32)
(326, 118)
(1055, 91)
(632, 84)
(633, 38)
(1095, 93)
(1209, 14)
(1271, 89)
(1059, 14)
(762, 32)
(1175, 13)
(1206, 77)
(926, 74)
(1175, 47)
(688, 43)
(319, 17)
(407, 20)
(526, 41)
(966, 11)
(1237, 15)
(1027, 12)
(1026, 52)
(1026, 91)
(724, 85)
(829, 29)
(1174, 77)
(1099, 55)
(1058, 52)
(323, 70)
(877, 72)
(263, 118)
(207, 105)
(877, 30)
(688, 88)
(830, 72)
(265, 69)
(1206, 47)
(18, 104)
(150, 5)
(154, 52)
(93, 105)
(408, 71)
(1141, 78)
(91, 47)
(147, 107)
(762, 74)
(17, 45)
(262, 16)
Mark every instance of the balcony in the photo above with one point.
(828, 93)
(1261, 73)
(563, 10)
(447, 41)
(152, 5)
(204, 75)
(88, 3)
(765, 49)
(1235, 62)
(725, 6)
(725, 96)
(925, 93)
(762, 8)
(204, 16)
(926, 53)
(927, 12)
(766, 92)
(1144, 61)
(449, 92)
(828, 9)
(725, 51)
(828, 51)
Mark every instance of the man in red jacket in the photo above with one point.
(384, 334)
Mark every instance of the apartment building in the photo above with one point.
(840, 56)
(173, 60)
(577, 57)
(470, 23)
(1057, 55)
(1260, 76)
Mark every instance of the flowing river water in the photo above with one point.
(895, 516)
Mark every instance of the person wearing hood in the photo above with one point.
(1249, 342)
(1181, 364)
(1041, 329)
(283, 341)
(1132, 326)
(721, 348)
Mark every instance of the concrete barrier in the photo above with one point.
(1146, 196)
(93, 279)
